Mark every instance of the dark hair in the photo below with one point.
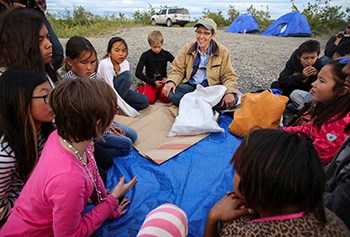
(340, 105)
(343, 48)
(76, 46)
(19, 40)
(16, 123)
(83, 108)
(112, 41)
(309, 46)
(280, 170)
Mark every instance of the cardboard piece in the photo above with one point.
(153, 126)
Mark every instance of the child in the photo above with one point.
(301, 97)
(329, 125)
(53, 199)
(25, 42)
(155, 62)
(115, 69)
(301, 69)
(81, 61)
(280, 179)
(23, 95)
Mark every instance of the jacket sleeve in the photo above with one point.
(106, 72)
(66, 196)
(178, 67)
(169, 57)
(290, 76)
(338, 201)
(9, 188)
(303, 129)
(228, 76)
(139, 71)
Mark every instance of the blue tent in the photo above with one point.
(245, 23)
(290, 24)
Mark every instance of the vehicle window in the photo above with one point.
(182, 11)
(162, 12)
(171, 11)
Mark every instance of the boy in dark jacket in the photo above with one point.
(301, 69)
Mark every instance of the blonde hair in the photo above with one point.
(155, 37)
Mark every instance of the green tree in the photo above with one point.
(232, 13)
(81, 16)
(216, 16)
(262, 17)
(324, 18)
(144, 17)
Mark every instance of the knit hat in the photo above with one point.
(207, 23)
(165, 220)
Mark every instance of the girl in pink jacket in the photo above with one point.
(330, 123)
(52, 201)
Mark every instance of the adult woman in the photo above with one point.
(25, 124)
(204, 62)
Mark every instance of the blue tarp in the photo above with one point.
(290, 24)
(194, 180)
(245, 23)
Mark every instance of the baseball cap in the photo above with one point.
(207, 23)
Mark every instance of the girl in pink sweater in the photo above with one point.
(330, 121)
(66, 177)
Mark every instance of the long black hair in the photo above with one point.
(16, 123)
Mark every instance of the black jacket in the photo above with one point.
(291, 78)
(337, 190)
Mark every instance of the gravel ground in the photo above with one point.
(258, 60)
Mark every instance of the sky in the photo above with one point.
(277, 8)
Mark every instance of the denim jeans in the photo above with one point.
(185, 88)
(122, 84)
(180, 91)
(118, 145)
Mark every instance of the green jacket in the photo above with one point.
(219, 68)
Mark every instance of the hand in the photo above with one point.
(170, 86)
(347, 81)
(116, 68)
(122, 206)
(309, 71)
(117, 131)
(159, 84)
(229, 100)
(230, 207)
(121, 188)
(338, 38)
(17, 4)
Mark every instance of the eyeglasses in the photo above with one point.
(205, 33)
(45, 97)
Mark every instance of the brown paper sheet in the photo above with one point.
(153, 126)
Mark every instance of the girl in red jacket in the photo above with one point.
(330, 123)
